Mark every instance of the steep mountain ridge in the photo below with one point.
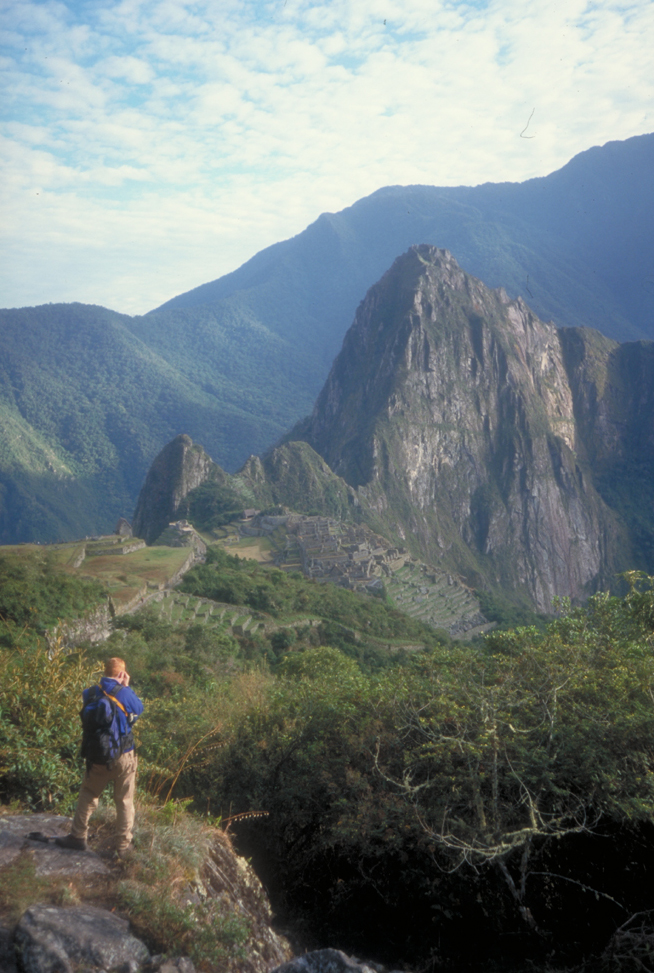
(577, 244)
(474, 443)
(494, 445)
(292, 474)
(237, 361)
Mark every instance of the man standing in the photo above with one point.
(121, 771)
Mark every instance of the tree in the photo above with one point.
(535, 738)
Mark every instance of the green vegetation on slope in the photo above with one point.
(35, 594)
(211, 505)
(230, 579)
(501, 787)
(88, 397)
(295, 476)
(84, 407)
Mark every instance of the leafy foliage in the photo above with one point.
(240, 582)
(34, 593)
(497, 764)
(40, 694)
(500, 786)
(211, 505)
(496, 607)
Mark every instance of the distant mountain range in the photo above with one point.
(88, 396)
(496, 446)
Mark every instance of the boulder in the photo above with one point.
(49, 859)
(181, 965)
(327, 961)
(10, 847)
(50, 939)
(7, 951)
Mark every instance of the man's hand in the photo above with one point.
(123, 679)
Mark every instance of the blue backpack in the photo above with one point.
(102, 742)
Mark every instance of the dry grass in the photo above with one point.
(156, 889)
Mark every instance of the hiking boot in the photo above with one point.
(126, 852)
(70, 841)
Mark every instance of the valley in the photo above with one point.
(89, 396)
(383, 572)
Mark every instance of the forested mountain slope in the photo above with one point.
(512, 451)
(578, 245)
(88, 397)
(85, 405)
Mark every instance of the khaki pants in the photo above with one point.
(123, 776)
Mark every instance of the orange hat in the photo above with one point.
(113, 667)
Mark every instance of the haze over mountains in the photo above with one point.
(89, 396)
(494, 445)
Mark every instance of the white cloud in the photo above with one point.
(129, 69)
(169, 140)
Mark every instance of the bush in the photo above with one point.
(40, 731)
(35, 595)
(171, 849)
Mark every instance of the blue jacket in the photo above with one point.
(127, 697)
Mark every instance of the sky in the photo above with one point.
(149, 146)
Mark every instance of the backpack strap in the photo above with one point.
(126, 740)
(116, 701)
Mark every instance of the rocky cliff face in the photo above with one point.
(92, 931)
(453, 409)
(295, 476)
(180, 467)
(454, 421)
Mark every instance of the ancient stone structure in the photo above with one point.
(456, 414)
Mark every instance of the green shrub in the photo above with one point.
(171, 848)
(40, 732)
(35, 595)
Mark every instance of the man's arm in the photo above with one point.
(128, 697)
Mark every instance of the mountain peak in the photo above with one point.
(451, 406)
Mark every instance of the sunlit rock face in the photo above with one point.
(451, 407)
(180, 467)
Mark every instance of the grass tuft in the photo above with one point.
(168, 903)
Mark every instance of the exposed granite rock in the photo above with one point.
(50, 939)
(227, 874)
(10, 847)
(49, 859)
(50, 825)
(451, 409)
(494, 446)
(179, 468)
(162, 965)
(7, 949)
(328, 961)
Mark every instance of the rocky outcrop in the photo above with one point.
(181, 466)
(495, 446)
(328, 961)
(58, 940)
(295, 476)
(50, 938)
(451, 408)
